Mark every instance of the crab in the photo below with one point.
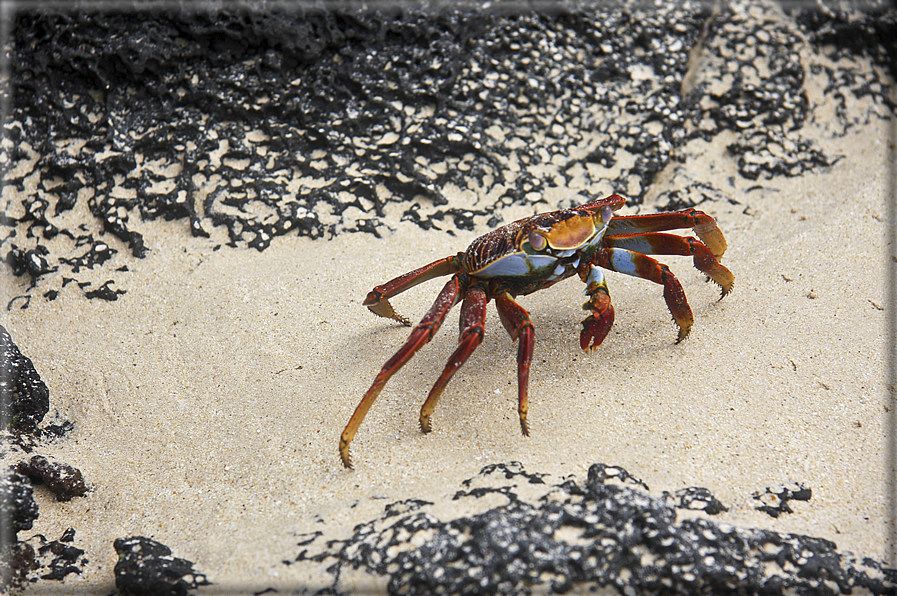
(535, 253)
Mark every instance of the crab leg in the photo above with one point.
(596, 326)
(472, 323)
(421, 334)
(378, 299)
(520, 327)
(703, 225)
(639, 265)
(670, 244)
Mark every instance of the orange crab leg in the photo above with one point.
(670, 244)
(639, 265)
(421, 334)
(703, 225)
(520, 327)
(378, 299)
(472, 323)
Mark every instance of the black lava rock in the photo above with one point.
(64, 557)
(605, 532)
(24, 398)
(62, 479)
(17, 506)
(774, 500)
(25, 561)
(16, 561)
(146, 568)
(338, 118)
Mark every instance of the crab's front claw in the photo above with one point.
(595, 329)
(382, 308)
(378, 299)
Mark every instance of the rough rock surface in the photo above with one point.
(17, 507)
(343, 120)
(24, 398)
(604, 531)
(146, 568)
(62, 479)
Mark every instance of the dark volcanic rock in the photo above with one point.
(17, 560)
(338, 119)
(774, 500)
(63, 556)
(605, 532)
(26, 561)
(17, 506)
(146, 568)
(62, 479)
(24, 398)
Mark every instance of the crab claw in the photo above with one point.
(596, 326)
(595, 329)
(382, 308)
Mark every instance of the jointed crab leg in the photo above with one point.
(703, 225)
(421, 334)
(520, 327)
(639, 265)
(670, 244)
(472, 322)
(378, 299)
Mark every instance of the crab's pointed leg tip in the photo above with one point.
(726, 291)
(345, 457)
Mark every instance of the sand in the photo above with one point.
(208, 400)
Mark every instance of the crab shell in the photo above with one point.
(534, 252)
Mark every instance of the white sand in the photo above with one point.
(209, 399)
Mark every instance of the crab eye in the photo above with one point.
(537, 240)
(606, 213)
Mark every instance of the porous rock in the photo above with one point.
(338, 118)
(147, 568)
(24, 398)
(605, 532)
(63, 480)
(17, 506)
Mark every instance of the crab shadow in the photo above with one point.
(643, 332)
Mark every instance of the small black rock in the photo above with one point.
(146, 568)
(17, 504)
(62, 479)
(24, 398)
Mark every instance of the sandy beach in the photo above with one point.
(208, 399)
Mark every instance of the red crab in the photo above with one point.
(534, 253)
